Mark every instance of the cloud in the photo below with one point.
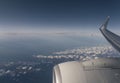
(83, 54)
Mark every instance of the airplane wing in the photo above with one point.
(101, 70)
(112, 38)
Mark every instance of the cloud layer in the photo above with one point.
(83, 54)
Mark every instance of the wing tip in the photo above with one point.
(104, 25)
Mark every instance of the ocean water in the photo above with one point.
(20, 60)
(17, 47)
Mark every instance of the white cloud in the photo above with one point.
(84, 53)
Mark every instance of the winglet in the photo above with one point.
(112, 38)
(104, 26)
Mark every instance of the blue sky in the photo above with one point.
(36, 15)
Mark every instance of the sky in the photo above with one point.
(55, 15)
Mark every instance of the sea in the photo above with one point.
(17, 61)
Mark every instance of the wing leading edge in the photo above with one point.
(112, 38)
